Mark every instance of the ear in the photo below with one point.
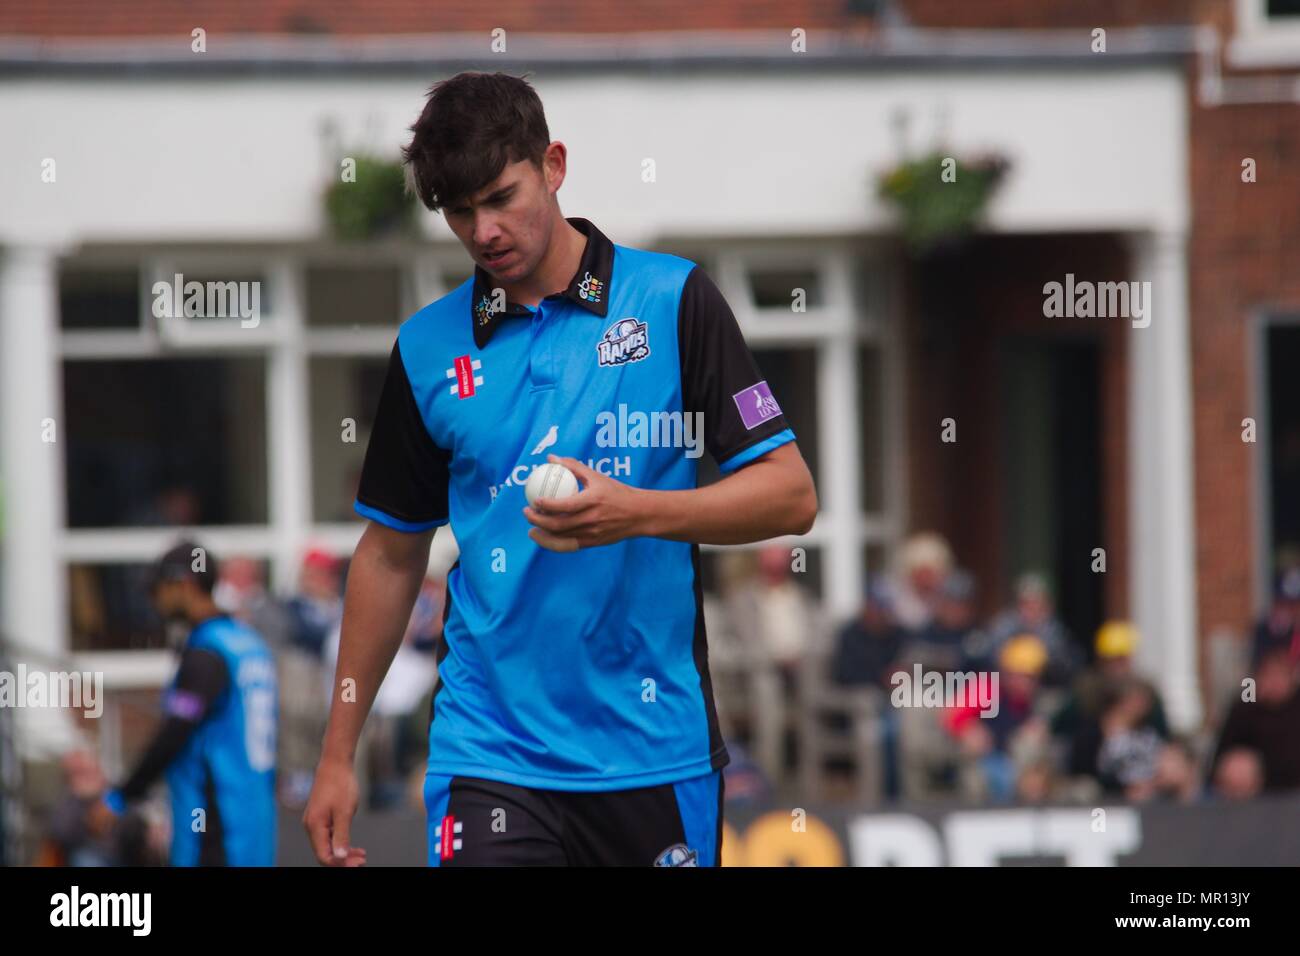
(555, 163)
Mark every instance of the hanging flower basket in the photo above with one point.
(938, 204)
(376, 204)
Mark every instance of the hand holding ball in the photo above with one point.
(550, 481)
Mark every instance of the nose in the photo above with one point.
(485, 231)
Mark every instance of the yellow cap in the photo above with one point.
(1023, 654)
(1116, 639)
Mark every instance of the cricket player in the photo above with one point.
(573, 722)
(216, 744)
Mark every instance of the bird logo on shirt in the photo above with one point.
(547, 440)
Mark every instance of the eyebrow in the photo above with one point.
(496, 196)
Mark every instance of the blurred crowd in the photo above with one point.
(817, 709)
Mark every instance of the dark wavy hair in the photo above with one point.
(471, 126)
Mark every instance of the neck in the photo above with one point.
(561, 261)
(204, 610)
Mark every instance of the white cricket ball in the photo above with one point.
(550, 481)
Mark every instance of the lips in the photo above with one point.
(495, 259)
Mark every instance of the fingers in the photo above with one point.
(584, 474)
(552, 542)
(563, 525)
(570, 505)
(340, 836)
(319, 835)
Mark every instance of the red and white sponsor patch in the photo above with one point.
(463, 371)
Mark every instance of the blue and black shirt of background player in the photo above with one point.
(200, 681)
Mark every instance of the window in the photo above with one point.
(109, 608)
(99, 298)
(170, 442)
(347, 295)
(341, 388)
(776, 288)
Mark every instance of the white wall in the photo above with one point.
(237, 159)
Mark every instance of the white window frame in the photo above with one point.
(287, 344)
(1261, 40)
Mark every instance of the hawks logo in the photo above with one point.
(483, 311)
(627, 340)
(679, 854)
(590, 288)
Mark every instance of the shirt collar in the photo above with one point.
(589, 286)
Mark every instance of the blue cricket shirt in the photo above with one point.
(586, 670)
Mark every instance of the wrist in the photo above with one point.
(337, 757)
(648, 520)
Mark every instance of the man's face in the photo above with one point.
(1035, 608)
(1275, 678)
(513, 216)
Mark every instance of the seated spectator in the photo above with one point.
(867, 646)
(1176, 775)
(1129, 748)
(1080, 720)
(1035, 614)
(866, 654)
(1259, 746)
(925, 562)
(941, 644)
(999, 747)
(317, 608)
(1280, 628)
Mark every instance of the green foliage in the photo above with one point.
(376, 204)
(933, 210)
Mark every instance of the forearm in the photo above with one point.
(201, 679)
(771, 497)
(381, 590)
(170, 740)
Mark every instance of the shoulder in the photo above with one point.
(226, 635)
(660, 271)
(440, 320)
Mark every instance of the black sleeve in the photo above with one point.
(721, 379)
(404, 477)
(202, 679)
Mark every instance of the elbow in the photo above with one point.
(804, 512)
